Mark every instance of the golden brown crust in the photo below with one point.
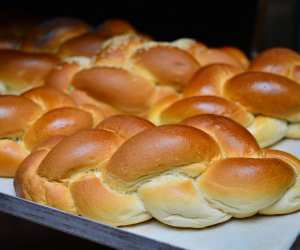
(85, 45)
(114, 27)
(79, 151)
(24, 123)
(280, 61)
(62, 121)
(49, 35)
(198, 105)
(94, 200)
(209, 80)
(265, 93)
(99, 113)
(169, 65)
(233, 139)
(125, 126)
(17, 113)
(49, 143)
(11, 155)
(212, 56)
(114, 86)
(154, 153)
(49, 98)
(238, 182)
(30, 186)
(26, 184)
(31, 69)
(207, 56)
(181, 175)
(284, 156)
(195, 48)
(36, 116)
(61, 76)
(237, 54)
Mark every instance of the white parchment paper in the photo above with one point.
(256, 233)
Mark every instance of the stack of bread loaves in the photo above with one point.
(110, 124)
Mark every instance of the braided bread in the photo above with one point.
(128, 62)
(196, 174)
(39, 114)
(265, 103)
(153, 69)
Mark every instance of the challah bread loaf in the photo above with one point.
(280, 61)
(197, 174)
(155, 70)
(39, 114)
(131, 62)
(20, 71)
(124, 63)
(265, 103)
(49, 35)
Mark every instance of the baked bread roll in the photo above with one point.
(49, 35)
(32, 118)
(267, 104)
(197, 174)
(21, 71)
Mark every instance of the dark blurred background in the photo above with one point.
(249, 25)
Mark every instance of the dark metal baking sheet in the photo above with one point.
(78, 226)
(82, 227)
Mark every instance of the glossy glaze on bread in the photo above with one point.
(196, 174)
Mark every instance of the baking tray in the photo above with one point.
(259, 232)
